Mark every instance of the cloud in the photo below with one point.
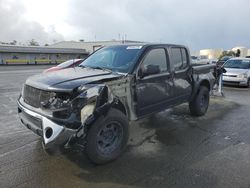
(199, 24)
(15, 27)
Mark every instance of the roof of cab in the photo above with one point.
(149, 44)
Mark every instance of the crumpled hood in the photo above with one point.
(231, 71)
(68, 79)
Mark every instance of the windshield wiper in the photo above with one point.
(235, 67)
(102, 68)
(82, 66)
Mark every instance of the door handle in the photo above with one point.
(141, 87)
(172, 76)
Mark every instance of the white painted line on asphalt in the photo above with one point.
(22, 71)
(21, 147)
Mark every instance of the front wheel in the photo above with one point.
(199, 105)
(107, 137)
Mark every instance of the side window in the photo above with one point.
(179, 58)
(184, 58)
(176, 58)
(155, 57)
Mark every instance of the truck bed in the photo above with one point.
(202, 69)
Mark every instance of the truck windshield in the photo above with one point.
(237, 64)
(115, 58)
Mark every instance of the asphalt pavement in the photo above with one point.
(169, 149)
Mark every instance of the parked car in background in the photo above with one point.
(194, 59)
(213, 61)
(238, 72)
(67, 64)
(203, 60)
(223, 60)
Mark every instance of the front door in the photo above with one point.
(154, 86)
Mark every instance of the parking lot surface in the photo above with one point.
(169, 149)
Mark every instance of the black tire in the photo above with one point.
(107, 137)
(199, 105)
(248, 83)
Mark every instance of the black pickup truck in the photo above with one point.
(92, 104)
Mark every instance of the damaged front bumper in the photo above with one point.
(86, 104)
(53, 134)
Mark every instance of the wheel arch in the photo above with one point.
(203, 82)
(121, 107)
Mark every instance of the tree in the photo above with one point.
(33, 43)
(14, 42)
(237, 53)
(227, 53)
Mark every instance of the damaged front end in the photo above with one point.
(60, 118)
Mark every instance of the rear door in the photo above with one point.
(153, 91)
(180, 64)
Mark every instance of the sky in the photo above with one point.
(198, 24)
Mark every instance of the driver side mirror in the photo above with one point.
(149, 70)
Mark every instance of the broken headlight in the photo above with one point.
(56, 101)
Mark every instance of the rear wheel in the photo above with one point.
(107, 137)
(199, 105)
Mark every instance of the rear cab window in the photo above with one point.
(179, 58)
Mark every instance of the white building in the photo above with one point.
(12, 54)
(215, 53)
(211, 53)
(90, 46)
(243, 51)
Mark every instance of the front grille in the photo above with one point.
(231, 83)
(34, 96)
(230, 75)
